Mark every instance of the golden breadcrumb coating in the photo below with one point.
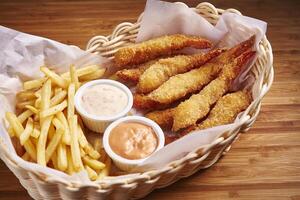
(177, 87)
(162, 70)
(151, 49)
(133, 75)
(197, 106)
(162, 117)
(180, 85)
(145, 102)
(225, 111)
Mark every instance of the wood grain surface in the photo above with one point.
(264, 163)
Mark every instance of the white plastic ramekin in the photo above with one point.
(99, 123)
(127, 164)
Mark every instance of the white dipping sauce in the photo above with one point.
(104, 100)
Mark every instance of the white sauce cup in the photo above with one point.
(127, 164)
(99, 123)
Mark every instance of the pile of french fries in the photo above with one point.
(48, 128)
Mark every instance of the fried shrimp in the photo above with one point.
(163, 69)
(177, 87)
(197, 106)
(164, 118)
(180, 85)
(151, 49)
(225, 110)
(133, 75)
(145, 102)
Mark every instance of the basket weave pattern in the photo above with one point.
(39, 186)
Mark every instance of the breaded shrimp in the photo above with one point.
(180, 85)
(177, 87)
(164, 118)
(133, 75)
(225, 111)
(197, 106)
(163, 69)
(151, 49)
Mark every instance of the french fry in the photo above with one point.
(54, 143)
(33, 84)
(32, 109)
(92, 152)
(25, 115)
(81, 137)
(95, 164)
(53, 110)
(82, 152)
(71, 93)
(46, 95)
(51, 131)
(82, 71)
(106, 170)
(45, 123)
(74, 77)
(75, 150)
(36, 130)
(92, 76)
(18, 129)
(91, 173)
(57, 123)
(85, 144)
(41, 146)
(11, 131)
(26, 156)
(62, 161)
(27, 131)
(57, 90)
(21, 105)
(38, 93)
(37, 103)
(58, 98)
(61, 82)
(70, 168)
(66, 137)
(25, 95)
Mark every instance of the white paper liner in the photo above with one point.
(22, 54)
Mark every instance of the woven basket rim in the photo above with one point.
(107, 182)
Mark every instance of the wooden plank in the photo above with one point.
(258, 194)
(270, 113)
(280, 138)
(261, 165)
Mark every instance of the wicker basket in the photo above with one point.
(40, 186)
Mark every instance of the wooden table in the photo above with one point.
(264, 163)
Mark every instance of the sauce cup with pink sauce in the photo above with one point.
(101, 102)
(131, 140)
